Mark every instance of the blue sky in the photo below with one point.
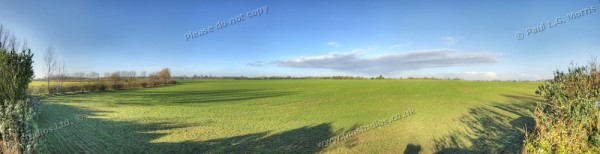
(470, 39)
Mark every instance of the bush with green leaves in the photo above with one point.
(16, 72)
(567, 121)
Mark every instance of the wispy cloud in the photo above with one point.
(413, 60)
(450, 40)
(256, 63)
(396, 46)
(333, 43)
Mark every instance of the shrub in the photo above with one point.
(164, 74)
(102, 87)
(567, 121)
(16, 73)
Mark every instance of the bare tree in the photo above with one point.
(3, 33)
(7, 39)
(62, 71)
(80, 76)
(114, 77)
(49, 64)
(133, 75)
(94, 76)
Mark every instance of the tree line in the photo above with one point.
(87, 82)
(55, 71)
(338, 77)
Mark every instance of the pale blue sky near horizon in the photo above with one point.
(464, 38)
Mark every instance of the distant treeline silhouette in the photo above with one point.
(380, 77)
(81, 82)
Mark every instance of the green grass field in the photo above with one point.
(291, 116)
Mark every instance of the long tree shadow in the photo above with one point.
(148, 98)
(212, 96)
(412, 149)
(498, 128)
(87, 134)
(299, 140)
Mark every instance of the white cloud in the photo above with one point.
(334, 44)
(396, 46)
(388, 63)
(484, 75)
(450, 40)
(526, 76)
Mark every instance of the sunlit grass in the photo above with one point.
(281, 116)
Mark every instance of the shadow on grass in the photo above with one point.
(212, 96)
(412, 149)
(95, 135)
(498, 128)
(148, 98)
